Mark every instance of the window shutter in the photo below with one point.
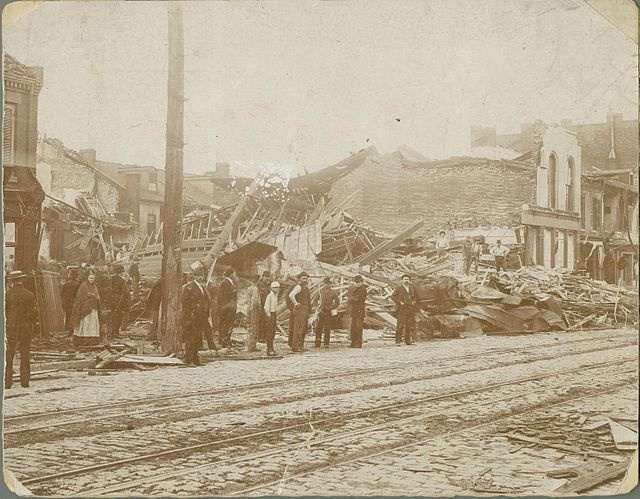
(8, 127)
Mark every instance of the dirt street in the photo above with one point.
(492, 414)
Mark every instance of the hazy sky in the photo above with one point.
(306, 83)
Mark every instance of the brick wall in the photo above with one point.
(393, 195)
(108, 196)
(62, 178)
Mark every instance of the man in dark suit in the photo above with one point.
(195, 316)
(357, 297)
(227, 302)
(21, 315)
(119, 301)
(405, 298)
(68, 295)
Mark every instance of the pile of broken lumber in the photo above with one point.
(584, 302)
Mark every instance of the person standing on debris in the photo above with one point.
(134, 273)
(500, 252)
(476, 251)
(264, 284)
(195, 317)
(442, 244)
(21, 315)
(356, 300)
(271, 312)
(227, 303)
(84, 316)
(301, 299)
(254, 314)
(327, 310)
(405, 298)
(68, 295)
(119, 302)
(467, 254)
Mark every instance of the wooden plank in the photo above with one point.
(212, 256)
(387, 246)
(586, 482)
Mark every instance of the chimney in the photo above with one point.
(222, 170)
(88, 155)
(483, 136)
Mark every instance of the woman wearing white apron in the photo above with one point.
(86, 324)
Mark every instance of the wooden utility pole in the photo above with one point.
(172, 232)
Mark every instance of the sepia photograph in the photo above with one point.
(320, 248)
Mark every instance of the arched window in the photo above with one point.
(551, 180)
(570, 199)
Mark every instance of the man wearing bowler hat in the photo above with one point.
(21, 315)
(405, 298)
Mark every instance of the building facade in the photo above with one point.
(22, 193)
(73, 186)
(610, 227)
(552, 224)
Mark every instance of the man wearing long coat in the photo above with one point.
(195, 317)
(405, 298)
(21, 314)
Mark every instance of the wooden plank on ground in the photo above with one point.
(586, 482)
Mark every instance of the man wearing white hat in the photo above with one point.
(21, 315)
(270, 311)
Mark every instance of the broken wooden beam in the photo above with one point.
(386, 246)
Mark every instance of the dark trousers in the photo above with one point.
(208, 334)
(23, 345)
(192, 342)
(474, 260)
(263, 325)
(115, 322)
(68, 326)
(301, 314)
(292, 328)
(323, 329)
(227, 320)
(405, 323)
(355, 330)
(467, 264)
(499, 263)
(270, 332)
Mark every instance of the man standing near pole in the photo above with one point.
(405, 298)
(301, 299)
(119, 302)
(195, 316)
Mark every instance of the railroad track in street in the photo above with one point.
(280, 382)
(302, 389)
(387, 412)
(265, 486)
